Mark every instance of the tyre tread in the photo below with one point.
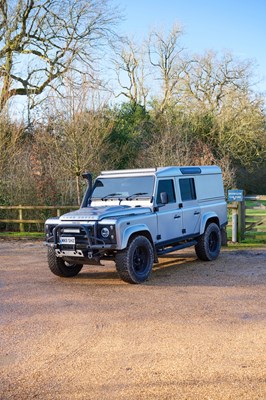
(202, 248)
(123, 262)
(57, 266)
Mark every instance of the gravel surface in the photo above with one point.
(196, 330)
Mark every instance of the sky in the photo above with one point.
(238, 26)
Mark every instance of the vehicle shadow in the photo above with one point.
(185, 269)
(167, 266)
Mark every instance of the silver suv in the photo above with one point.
(135, 216)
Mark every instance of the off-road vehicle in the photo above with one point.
(135, 216)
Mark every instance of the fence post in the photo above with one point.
(234, 225)
(20, 217)
(58, 212)
(241, 210)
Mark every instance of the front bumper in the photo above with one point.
(78, 242)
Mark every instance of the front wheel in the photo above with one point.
(134, 264)
(61, 268)
(209, 243)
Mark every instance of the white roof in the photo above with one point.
(166, 171)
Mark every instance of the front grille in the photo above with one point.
(74, 237)
(81, 237)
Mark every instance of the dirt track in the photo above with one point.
(194, 331)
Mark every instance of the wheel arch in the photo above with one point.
(133, 231)
(207, 219)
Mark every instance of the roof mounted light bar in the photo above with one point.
(129, 171)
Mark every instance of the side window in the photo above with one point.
(187, 189)
(166, 185)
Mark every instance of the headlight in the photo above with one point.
(105, 232)
(49, 230)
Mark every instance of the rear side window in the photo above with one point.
(166, 185)
(187, 189)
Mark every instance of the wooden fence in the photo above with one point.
(21, 220)
(246, 218)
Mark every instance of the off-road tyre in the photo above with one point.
(209, 243)
(134, 264)
(61, 268)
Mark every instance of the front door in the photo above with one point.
(169, 216)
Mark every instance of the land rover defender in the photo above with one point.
(135, 216)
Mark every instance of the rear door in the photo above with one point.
(190, 207)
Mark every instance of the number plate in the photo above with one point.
(67, 240)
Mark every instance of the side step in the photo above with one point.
(178, 247)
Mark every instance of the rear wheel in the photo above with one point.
(209, 244)
(134, 264)
(61, 268)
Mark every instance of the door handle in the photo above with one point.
(176, 216)
(196, 213)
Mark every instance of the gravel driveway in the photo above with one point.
(196, 330)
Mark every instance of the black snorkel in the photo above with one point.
(86, 198)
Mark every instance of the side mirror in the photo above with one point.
(164, 198)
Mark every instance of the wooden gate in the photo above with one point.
(248, 218)
(255, 217)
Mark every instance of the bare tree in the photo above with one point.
(10, 142)
(130, 71)
(73, 139)
(165, 56)
(242, 122)
(223, 109)
(41, 40)
(210, 79)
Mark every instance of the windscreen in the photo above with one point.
(123, 188)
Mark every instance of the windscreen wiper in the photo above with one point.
(132, 196)
(111, 195)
